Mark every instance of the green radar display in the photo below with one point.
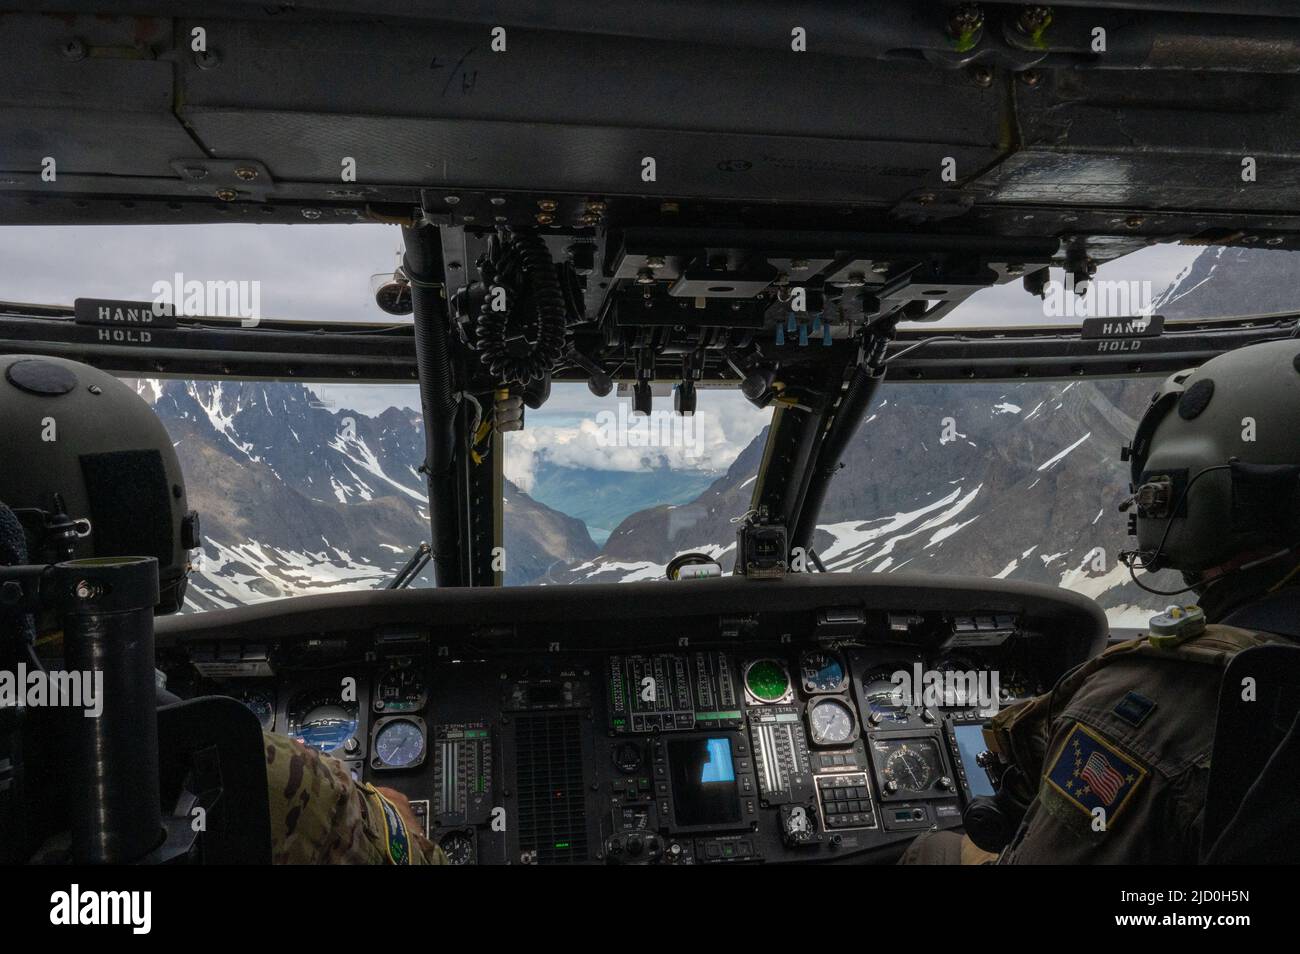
(767, 681)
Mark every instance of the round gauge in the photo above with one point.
(885, 702)
(399, 743)
(767, 681)
(458, 846)
(400, 689)
(261, 706)
(822, 672)
(908, 767)
(322, 721)
(831, 722)
(394, 297)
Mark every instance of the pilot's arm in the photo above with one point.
(321, 815)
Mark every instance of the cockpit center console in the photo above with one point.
(815, 728)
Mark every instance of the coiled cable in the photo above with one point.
(534, 303)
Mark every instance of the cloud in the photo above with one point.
(606, 439)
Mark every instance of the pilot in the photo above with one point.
(1115, 759)
(81, 444)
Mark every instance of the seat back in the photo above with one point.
(211, 755)
(1251, 813)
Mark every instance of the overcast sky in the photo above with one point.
(308, 272)
(323, 273)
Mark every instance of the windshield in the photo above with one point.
(310, 489)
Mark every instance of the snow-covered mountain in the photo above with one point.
(1014, 481)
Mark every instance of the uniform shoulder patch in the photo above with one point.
(1091, 773)
(396, 840)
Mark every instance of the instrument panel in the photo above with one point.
(752, 746)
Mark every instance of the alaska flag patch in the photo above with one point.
(398, 842)
(1091, 773)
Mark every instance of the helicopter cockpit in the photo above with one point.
(649, 204)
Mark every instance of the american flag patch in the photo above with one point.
(1105, 781)
(1092, 773)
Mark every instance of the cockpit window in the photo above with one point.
(333, 273)
(1013, 481)
(301, 489)
(1016, 481)
(316, 488)
(325, 273)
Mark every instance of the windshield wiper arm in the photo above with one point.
(411, 568)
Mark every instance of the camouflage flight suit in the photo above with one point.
(1120, 750)
(321, 815)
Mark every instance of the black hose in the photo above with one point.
(423, 264)
(113, 759)
(526, 271)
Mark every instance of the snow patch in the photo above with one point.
(1052, 462)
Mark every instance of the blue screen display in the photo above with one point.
(718, 768)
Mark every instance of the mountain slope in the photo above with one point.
(537, 538)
